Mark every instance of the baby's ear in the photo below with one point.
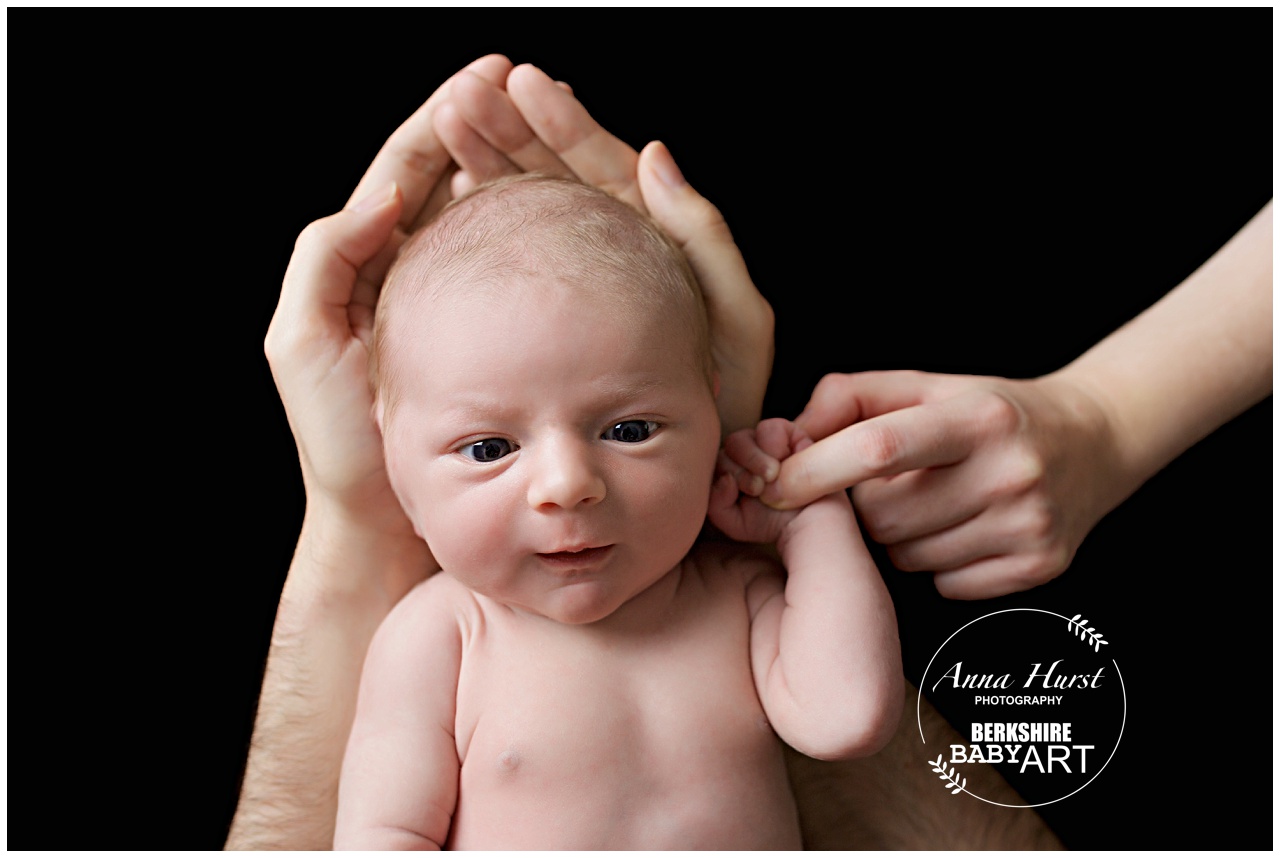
(379, 417)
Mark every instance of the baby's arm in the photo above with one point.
(824, 641)
(399, 783)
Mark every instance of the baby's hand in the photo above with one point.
(749, 461)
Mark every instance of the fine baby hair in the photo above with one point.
(529, 223)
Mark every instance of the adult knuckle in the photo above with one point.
(900, 557)
(1041, 567)
(1024, 471)
(1059, 558)
(280, 343)
(880, 525)
(830, 386)
(711, 222)
(765, 317)
(997, 414)
(314, 235)
(1040, 523)
(269, 344)
(413, 158)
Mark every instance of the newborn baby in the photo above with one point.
(592, 669)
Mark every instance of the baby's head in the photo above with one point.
(546, 394)
(528, 226)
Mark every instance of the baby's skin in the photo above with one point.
(588, 671)
(642, 730)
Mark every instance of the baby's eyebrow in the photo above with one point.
(625, 389)
(473, 406)
(605, 395)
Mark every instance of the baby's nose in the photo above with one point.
(564, 474)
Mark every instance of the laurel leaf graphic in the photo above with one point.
(1088, 633)
(950, 778)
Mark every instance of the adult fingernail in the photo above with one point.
(666, 168)
(377, 199)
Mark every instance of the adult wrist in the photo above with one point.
(1118, 455)
(340, 558)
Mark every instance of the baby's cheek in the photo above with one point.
(675, 502)
(465, 530)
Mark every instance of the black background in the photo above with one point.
(956, 190)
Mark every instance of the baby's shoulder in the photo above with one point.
(419, 643)
(436, 590)
(439, 602)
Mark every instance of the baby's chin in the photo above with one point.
(576, 611)
(579, 604)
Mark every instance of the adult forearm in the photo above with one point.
(1192, 361)
(339, 588)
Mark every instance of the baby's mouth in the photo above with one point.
(581, 557)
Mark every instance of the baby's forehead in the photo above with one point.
(511, 259)
(528, 294)
(539, 243)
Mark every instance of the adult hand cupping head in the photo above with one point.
(317, 341)
(990, 483)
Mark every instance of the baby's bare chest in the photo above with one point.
(533, 695)
(639, 735)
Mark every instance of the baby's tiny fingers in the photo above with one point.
(746, 482)
(742, 448)
(461, 182)
(774, 437)
(724, 491)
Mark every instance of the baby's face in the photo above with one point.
(556, 457)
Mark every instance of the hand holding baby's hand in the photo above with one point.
(749, 461)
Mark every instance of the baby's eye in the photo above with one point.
(630, 431)
(488, 450)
